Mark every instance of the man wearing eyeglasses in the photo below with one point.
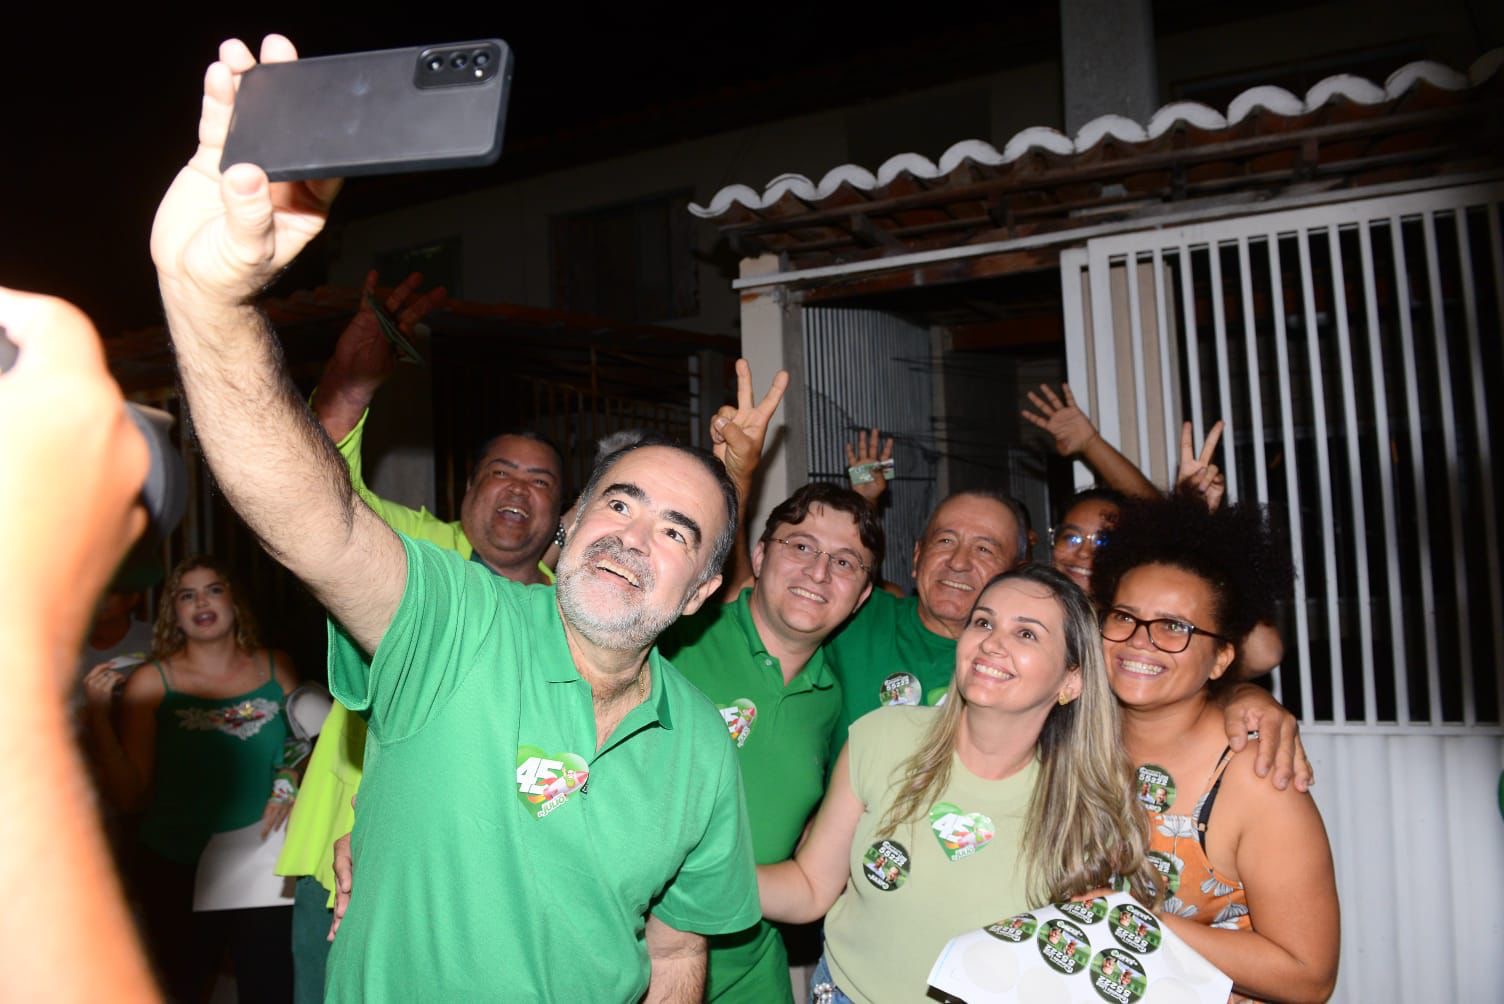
(759, 659)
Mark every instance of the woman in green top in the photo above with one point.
(199, 746)
(1013, 793)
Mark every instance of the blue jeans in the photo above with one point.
(822, 989)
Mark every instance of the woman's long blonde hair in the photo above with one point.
(1084, 829)
(168, 638)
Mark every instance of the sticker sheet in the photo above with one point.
(1109, 949)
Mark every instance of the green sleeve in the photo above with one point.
(450, 607)
(418, 524)
(715, 890)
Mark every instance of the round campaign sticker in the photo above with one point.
(1135, 928)
(1064, 946)
(1156, 788)
(1117, 976)
(886, 865)
(1169, 867)
(1017, 929)
(900, 688)
(1088, 912)
(739, 717)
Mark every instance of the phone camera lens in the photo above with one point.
(458, 60)
(435, 64)
(482, 58)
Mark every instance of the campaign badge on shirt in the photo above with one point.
(1118, 977)
(1016, 929)
(900, 688)
(961, 834)
(740, 715)
(1064, 946)
(1156, 788)
(886, 865)
(545, 781)
(1135, 928)
(1169, 866)
(1086, 911)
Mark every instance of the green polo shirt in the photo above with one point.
(781, 734)
(324, 811)
(500, 855)
(884, 655)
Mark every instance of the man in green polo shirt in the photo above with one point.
(510, 508)
(759, 660)
(903, 651)
(557, 812)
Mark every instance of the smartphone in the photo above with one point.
(393, 111)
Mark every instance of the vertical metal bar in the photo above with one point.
(1073, 263)
(1449, 448)
(1167, 392)
(1417, 469)
(1255, 392)
(1381, 448)
(1496, 248)
(1292, 485)
(1323, 479)
(1140, 393)
(1224, 382)
(1104, 350)
(1192, 352)
(1348, 380)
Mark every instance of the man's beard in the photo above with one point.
(628, 627)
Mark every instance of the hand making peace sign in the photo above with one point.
(1197, 472)
(737, 433)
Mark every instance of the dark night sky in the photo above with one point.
(98, 117)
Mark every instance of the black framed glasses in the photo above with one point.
(1167, 634)
(1073, 538)
(805, 553)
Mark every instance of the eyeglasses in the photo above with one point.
(1165, 633)
(806, 553)
(1073, 539)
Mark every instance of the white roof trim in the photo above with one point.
(1052, 141)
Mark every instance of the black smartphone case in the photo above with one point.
(363, 113)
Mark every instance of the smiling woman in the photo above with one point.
(199, 740)
(1246, 868)
(1011, 794)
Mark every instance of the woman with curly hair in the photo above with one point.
(1246, 868)
(1013, 792)
(200, 745)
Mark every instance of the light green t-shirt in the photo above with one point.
(954, 870)
(498, 854)
(781, 733)
(884, 655)
(323, 812)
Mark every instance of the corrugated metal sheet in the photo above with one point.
(865, 368)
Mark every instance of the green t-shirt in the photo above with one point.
(486, 868)
(323, 812)
(955, 870)
(782, 737)
(884, 655)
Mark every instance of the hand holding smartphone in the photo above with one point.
(391, 111)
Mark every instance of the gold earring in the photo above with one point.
(1064, 699)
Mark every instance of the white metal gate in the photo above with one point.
(1351, 350)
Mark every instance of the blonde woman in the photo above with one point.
(199, 744)
(1012, 793)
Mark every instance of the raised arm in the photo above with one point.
(71, 465)
(1076, 436)
(363, 358)
(217, 241)
(804, 888)
(737, 435)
